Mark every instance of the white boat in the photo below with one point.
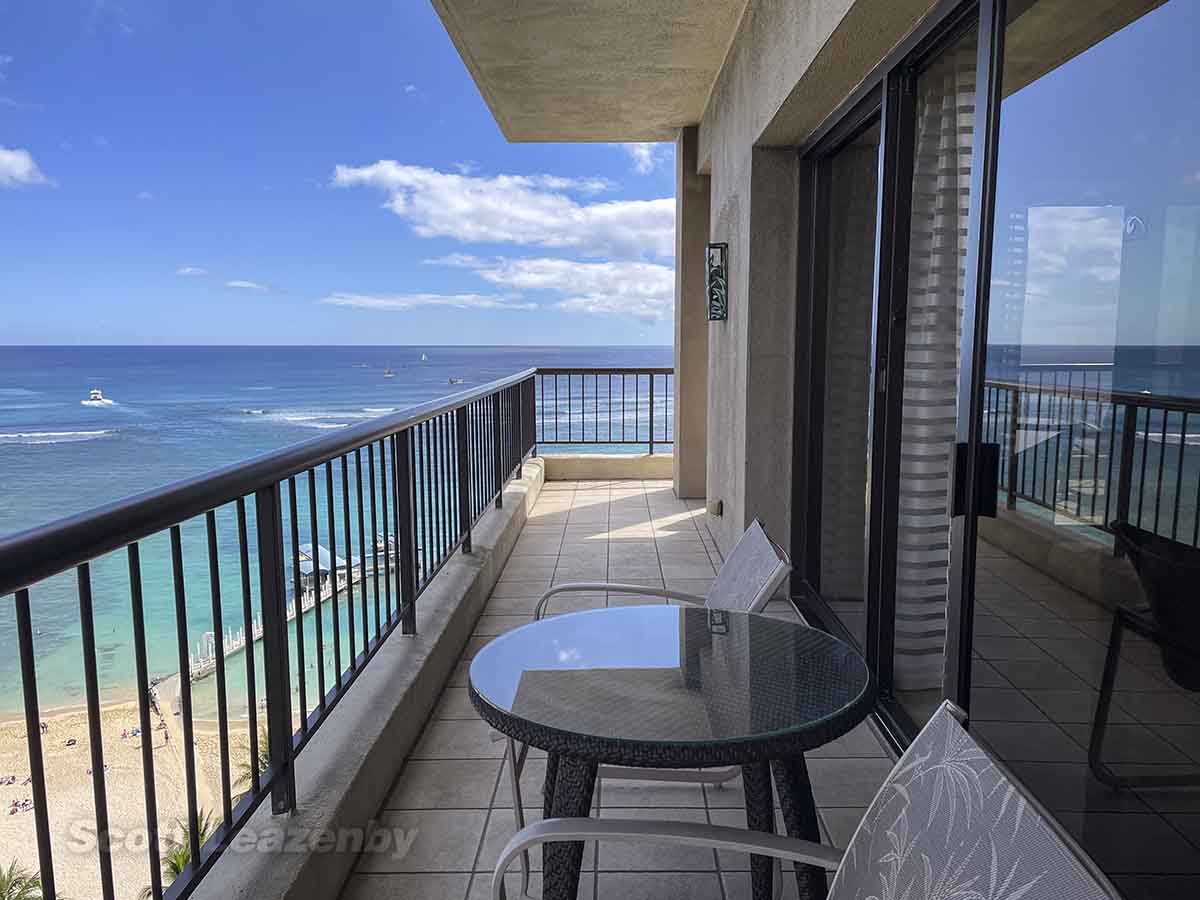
(96, 398)
(388, 373)
(458, 381)
(424, 358)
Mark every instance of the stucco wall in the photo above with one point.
(789, 66)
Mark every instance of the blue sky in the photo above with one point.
(302, 172)
(1098, 193)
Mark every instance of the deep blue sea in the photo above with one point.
(177, 412)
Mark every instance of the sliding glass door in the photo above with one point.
(999, 461)
(849, 184)
(926, 352)
(1092, 366)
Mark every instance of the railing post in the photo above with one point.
(651, 413)
(402, 459)
(533, 430)
(516, 399)
(33, 737)
(1014, 424)
(498, 447)
(268, 513)
(1125, 469)
(464, 478)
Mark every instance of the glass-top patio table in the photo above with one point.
(673, 687)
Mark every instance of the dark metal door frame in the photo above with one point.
(889, 98)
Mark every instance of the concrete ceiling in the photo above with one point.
(592, 70)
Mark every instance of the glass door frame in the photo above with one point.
(888, 97)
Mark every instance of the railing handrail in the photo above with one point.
(605, 370)
(1124, 398)
(29, 556)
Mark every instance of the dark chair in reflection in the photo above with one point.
(1169, 572)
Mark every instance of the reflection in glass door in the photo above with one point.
(1093, 390)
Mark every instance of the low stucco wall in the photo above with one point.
(1081, 564)
(598, 466)
(348, 767)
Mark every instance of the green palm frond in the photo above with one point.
(177, 851)
(246, 767)
(18, 883)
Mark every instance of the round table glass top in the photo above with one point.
(660, 674)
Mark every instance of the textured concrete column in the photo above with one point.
(691, 319)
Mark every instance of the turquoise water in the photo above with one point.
(178, 412)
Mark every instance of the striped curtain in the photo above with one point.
(937, 271)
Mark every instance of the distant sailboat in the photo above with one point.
(424, 358)
(388, 373)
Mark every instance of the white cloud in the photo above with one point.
(241, 284)
(399, 302)
(191, 271)
(17, 169)
(457, 261)
(145, 195)
(410, 89)
(530, 210)
(1066, 240)
(647, 157)
(639, 290)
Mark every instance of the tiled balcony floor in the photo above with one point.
(453, 791)
(1039, 652)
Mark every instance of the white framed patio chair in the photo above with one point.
(748, 579)
(949, 821)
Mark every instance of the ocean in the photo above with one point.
(178, 412)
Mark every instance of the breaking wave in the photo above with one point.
(52, 437)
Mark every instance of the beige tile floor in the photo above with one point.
(453, 791)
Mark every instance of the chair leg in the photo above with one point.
(515, 764)
(1100, 724)
(1103, 704)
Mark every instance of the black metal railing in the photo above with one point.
(398, 495)
(1073, 446)
(582, 407)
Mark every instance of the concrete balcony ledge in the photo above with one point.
(1084, 565)
(352, 762)
(608, 466)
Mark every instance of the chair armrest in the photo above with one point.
(612, 587)
(689, 834)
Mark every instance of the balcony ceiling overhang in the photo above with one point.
(592, 70)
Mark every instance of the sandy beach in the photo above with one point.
(69, 790)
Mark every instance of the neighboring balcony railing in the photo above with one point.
(582, 407)
(396, 495)
(1071, 445)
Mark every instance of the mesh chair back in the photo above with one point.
(752, 573)
(951, 822)
(1169, 572)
